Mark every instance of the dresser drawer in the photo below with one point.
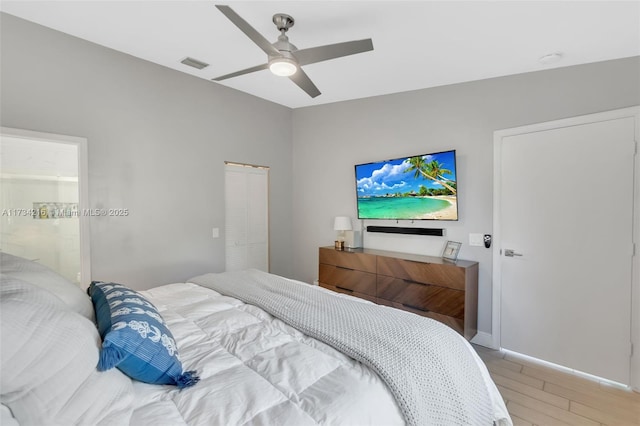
(348, 280)
(422, 297)
(456, 323)
(349, 292)
(442, 275)
(356, 261)
(425, 285)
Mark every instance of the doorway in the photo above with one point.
(43, 192)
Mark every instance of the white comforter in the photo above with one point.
(256, 370)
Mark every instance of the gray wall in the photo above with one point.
(157, 140)
(330, 139)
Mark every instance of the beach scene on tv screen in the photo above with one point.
(419, 187)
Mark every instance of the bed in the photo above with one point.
(267, 351)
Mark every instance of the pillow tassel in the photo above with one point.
(109, 357)
(187, 379)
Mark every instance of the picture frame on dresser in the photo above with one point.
(451, 250)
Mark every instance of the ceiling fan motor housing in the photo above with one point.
(284, 46)
(284, 64)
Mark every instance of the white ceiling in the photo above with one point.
(417, 44)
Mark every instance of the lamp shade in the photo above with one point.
(342, 223)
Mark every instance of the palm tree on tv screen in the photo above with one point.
(432, 170)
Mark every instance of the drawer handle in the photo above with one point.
(345, 289)
(414, 282)
(415, 307)
(347, 269)
(416, 261)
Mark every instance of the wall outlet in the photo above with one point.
(476, 240)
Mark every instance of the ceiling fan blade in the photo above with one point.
(244, 26)
(245, 71)
(304, 82)
(332, 51)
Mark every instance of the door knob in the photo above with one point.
(511, 253)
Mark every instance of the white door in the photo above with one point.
(566, 212)
(246, 217)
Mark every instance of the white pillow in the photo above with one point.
(49, 355)
(48, 279)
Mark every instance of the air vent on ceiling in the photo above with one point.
(194, 63)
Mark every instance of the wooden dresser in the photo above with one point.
(427, 286)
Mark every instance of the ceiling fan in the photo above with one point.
(284, 59)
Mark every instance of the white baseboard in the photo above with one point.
(486, 339)
(483, 339)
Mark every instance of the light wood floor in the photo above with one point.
(539, 395)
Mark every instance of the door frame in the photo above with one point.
(83, 189)
(498, 136)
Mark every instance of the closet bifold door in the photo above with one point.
(246, 217)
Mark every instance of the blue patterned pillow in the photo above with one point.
(135, 338)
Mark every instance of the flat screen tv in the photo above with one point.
(409, 188)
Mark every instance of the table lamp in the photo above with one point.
(341, 224)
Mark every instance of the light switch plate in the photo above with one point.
(215, 233)
(476, 240)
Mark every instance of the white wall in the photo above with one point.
(53, 242)
(329, 140)
(157, 142)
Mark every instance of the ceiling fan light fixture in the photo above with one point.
(283, 67)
